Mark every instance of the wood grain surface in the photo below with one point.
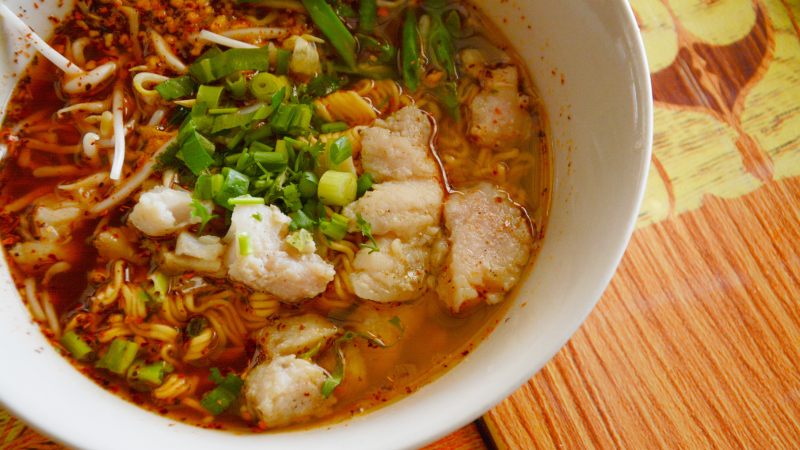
(696, 342)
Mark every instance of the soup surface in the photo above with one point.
(266, 214)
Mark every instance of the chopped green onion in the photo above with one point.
(264, 85)
(364, 184)
(237, 138)
(271, 161)
(223, 395)
(202, 212)
(196, 326)
(195, 152)
(333, 127)
(142, 375)
(119, 356)
(258, 217)
(300, 220)
(312, 352)
(411, 60)
(175, 88)
(245, 246)
(236, 184)
(210, 95)
(237, 84)
(337, 188)
(308, 185)
(282, 62)
(225, 63)
(340, 150)
(79, 349)
(217, 111)
(323, 16)
(160, 283)
(258, 134)
(246, 200)
(334, 228)
(367, 12)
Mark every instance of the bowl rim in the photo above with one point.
(17, 402)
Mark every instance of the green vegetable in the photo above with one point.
(196, 326)
(79, 349)
(300, 239)
(237, 84)
(220, 398)
(333, 127)
(367, 14)
(195, 151)
(386, 51)
(264, 85)
(202, 212)
(236, 184)
(222, 64)
(323, 16)
(340, 150)
(300, 220)
(246, 200)
(411, 60)
(210, 95)
(119, 356)
(335, 228)
(282, 62)
(308, 185)
(366, 231)
(175, 88)
(364, 184)
(338, 372)
(245, 245)
(337, 188)
(145, 376)
(452, 21)
(258, 217)
(160, 284)
(441, 46)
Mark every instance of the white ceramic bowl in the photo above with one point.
(588, 62)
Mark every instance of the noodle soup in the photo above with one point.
(253, 217)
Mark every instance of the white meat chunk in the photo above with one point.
(405, 209)
(204, 247)
(36, 255)
(56, 219)
(119, 243)
(274, 267)
(287, 390)
(397, 148)
(490, 243)
(295, 335)
(162, 211)
(396, 273)
(500, 118)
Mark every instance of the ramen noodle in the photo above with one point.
(269, 214)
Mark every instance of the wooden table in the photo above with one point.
(696, 342)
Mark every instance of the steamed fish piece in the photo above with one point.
(274, 266)
(396, 273)
(163, 211)
(500, 118)
(405, 209)
(287, 390)
(296, 335)
(398, 148)
(490, 243)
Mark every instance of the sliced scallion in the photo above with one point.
(79, 349)
(337, 188)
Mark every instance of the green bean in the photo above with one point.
(323, 16)
(411, 61)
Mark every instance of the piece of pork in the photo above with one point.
(274, 267)
(162, 211)
(295, 335)
(490, 243)
(398, 148)
(396, 273)
(499, 114)
(287, 390)
(405, 209)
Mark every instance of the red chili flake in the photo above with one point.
(383, 11)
